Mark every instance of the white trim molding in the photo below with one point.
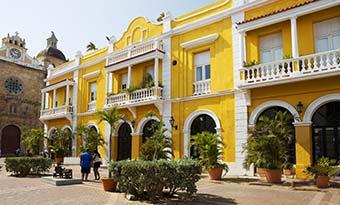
(67, 127)
(273, 103)
(187, 127)
(142, 122)
(93, 74)
(92, 124)
(119, 123)
(200, 41)
(316, 104)
(287, 15)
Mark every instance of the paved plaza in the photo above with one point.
(228, 191)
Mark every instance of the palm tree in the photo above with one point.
(111, 116)
(91, 47)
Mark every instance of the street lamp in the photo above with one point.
(172, 122)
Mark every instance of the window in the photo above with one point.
(202, 66)
(271, 48)
(327, 35)
(93, 92)
(124, 81)
(150, 71)
(13, 86)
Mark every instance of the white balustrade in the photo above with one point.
(92, 106)
(136, 50)
(315, 64)
(202, 87)
(62, 110)
(138, 96)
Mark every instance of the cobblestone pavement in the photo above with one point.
(17, 191)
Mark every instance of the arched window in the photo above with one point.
(200, 124)
(290, 147)
(326, 131)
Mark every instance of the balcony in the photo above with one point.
(56, 113)
(202, 87)
(137, 50)
(308, 67)
(136, 98)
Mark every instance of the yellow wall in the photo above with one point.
(305, 34)
(200, 13)
(183, 74)
(134, 32)
(223, 107)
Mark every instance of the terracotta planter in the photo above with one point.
(273, 175)
(322, 181)
(109, 184)
(261, 171)
(215, 174)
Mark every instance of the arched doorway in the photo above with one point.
(326, 131)
(271, 113)
(10, 140)
(124, 142)
(200, 124)
(68, 142)
(149, 129)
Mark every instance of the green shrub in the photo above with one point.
(23, 166)
(323, 167)
(147, 179)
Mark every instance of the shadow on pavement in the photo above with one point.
(200, 199)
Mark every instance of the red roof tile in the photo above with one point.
(277, 11)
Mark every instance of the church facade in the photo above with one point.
(21, 79)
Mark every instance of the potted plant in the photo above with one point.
(266, 145)
(110, 184)
(322, 171)
(209, 146)
(111, 117)
(61, 139)
(260, 170)
(288, 169)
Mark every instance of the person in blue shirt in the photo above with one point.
(85, 164)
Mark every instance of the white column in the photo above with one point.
(42, 101)
(107, 82)
(295, 45)
(75, 111)
(129, 77)
(156, 71)
(243, 50)
(67, 95)
(54, 98)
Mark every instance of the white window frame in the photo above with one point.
(151, 70)
(202, 60)
(323, 30)
(123, 85)
(272, 47)
(93, 93)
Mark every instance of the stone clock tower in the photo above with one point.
(21, 80)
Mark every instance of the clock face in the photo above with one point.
(15, 53)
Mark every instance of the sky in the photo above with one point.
(77, 22)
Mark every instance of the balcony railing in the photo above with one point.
(136, 50)
(92, 106)
(202, 87)
(56, 112)
(137, 97)
(311, 65)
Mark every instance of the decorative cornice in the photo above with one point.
(93, 74)
(211, 95)
(200, 41)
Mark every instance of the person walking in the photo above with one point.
(96, 164)
(85, 164)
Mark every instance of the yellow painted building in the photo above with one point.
(215, 69)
